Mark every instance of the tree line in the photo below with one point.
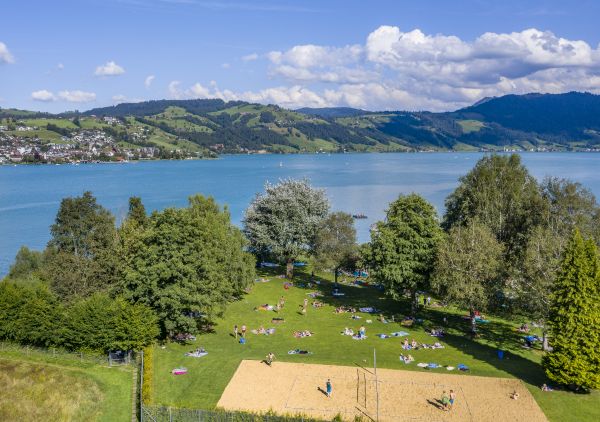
(506, 244)
(100, 287)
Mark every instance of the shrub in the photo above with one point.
(32, 314)
(147, 384)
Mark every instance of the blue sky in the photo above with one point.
(434, 55)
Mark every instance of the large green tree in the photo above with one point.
(186, 264)
(80, 258)
(569, 206)
(282, 222)
(335, 242)
(403, 247)
(533, 287)
(468, 266)
(137, 211)
(502, 195)
(575, 318)
(28, 264)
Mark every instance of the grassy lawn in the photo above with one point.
(41, 123)
(208, 376)
(43, 134)
(39, 387)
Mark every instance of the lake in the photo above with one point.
(355, 183)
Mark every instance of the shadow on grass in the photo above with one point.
(354, 296)
(491, 337)
(513, 364)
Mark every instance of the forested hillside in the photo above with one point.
(568, 121)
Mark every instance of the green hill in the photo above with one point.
(534, 121)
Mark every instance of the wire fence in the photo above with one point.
(174, 414)
(152, 413)
(62, 354)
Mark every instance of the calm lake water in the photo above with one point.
(355, 183)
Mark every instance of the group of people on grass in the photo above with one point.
(303, 333)
(239, 332)
(359, 335)
(406, 358)
(344, 309)
(413, 345)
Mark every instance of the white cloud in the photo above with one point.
(414, 70)
(43, 95)
(310, 55)
(5, 55)
(109, 69)
(148, 81)
(250, 57)
(225, 65)
(77, 96)
(119, 98)
(60, 66)
(174, 90)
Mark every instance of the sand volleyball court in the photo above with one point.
(289, 388)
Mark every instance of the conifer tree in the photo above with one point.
(575, 318)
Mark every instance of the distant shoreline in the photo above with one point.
(11, 164)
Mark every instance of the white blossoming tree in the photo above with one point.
(282, 221)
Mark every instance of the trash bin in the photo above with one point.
(500, 354)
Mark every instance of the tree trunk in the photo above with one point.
(544, 340)
(289, 269)
(336, 275)
(413, 303)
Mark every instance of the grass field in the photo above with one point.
(42, 388)
(208, 376)
(469, 126)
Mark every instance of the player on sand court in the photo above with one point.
(328, 387)
(452, 398)
(270, 358)
(445, 402)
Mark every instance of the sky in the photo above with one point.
(376, 55)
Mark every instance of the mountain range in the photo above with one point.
(569, 121)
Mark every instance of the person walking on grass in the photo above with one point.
(328, 388)
(243, 331)
(235, 331)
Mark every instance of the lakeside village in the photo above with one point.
(21, 143)
(23, 146)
